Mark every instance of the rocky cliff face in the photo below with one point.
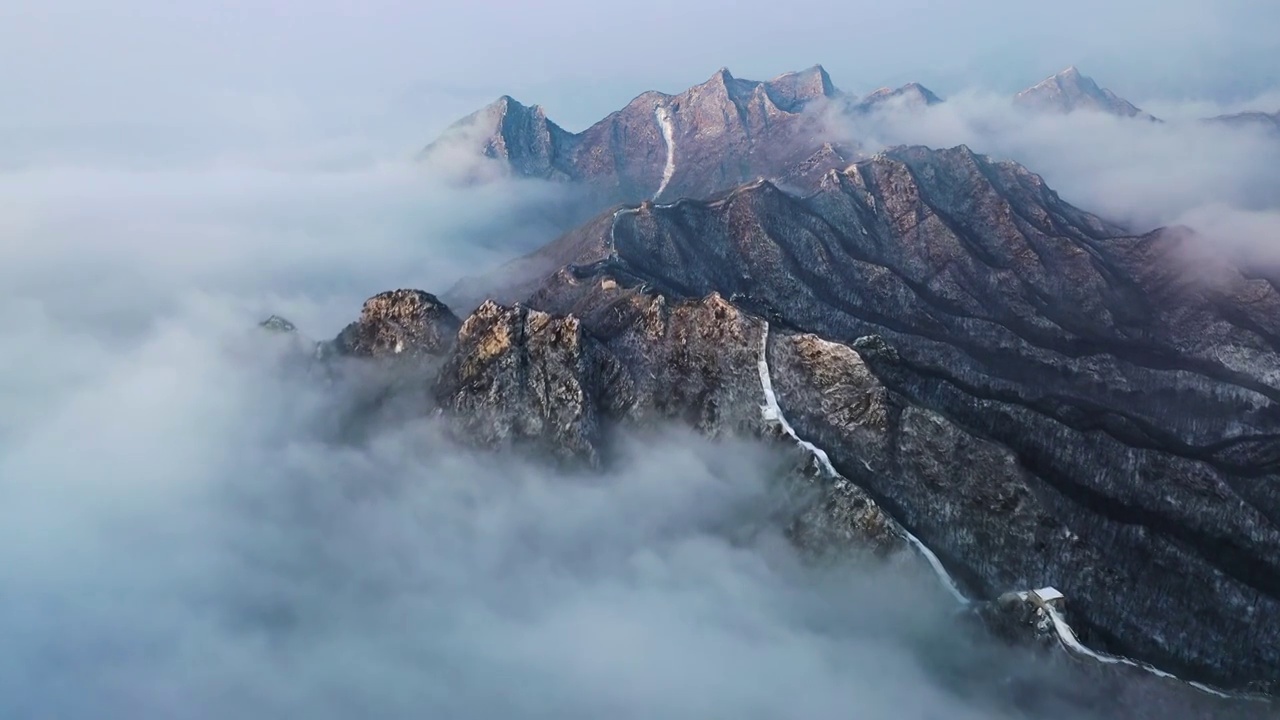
(409, 322)
(539, 382)
(523, 377)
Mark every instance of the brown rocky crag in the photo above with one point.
(411, 322)
(521, 377)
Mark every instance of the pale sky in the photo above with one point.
(86, 74)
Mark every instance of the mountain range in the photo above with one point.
(972, 371)
(718, 134)
(712, 136)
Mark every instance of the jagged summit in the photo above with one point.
(509, 105)
(789, 92)
(1071, 90)
(812, 73)
(717, 134)
(405, 321)
(519, 136)
(912, 95)
(712, 136)
(793, 89)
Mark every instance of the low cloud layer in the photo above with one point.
(111, 244)
(246, 571)
(183, 534)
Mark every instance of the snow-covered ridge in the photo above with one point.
(771, 411)
(665, 122)
(1067, 636)
(754, 185)
(613, 228)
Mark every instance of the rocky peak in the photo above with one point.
(524, 377)
(518, 135)
(396, 322)
(792, 91)
(912, 95)
(919, 91)
(1071, 90)
(275, 323)
(505, 105)
(720, 88)
(504, 112)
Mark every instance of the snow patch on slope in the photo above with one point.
(772, 412)
(665, 122)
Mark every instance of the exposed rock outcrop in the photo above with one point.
(523, 377)
(409, 322)
(275, 323)
(693, 361)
